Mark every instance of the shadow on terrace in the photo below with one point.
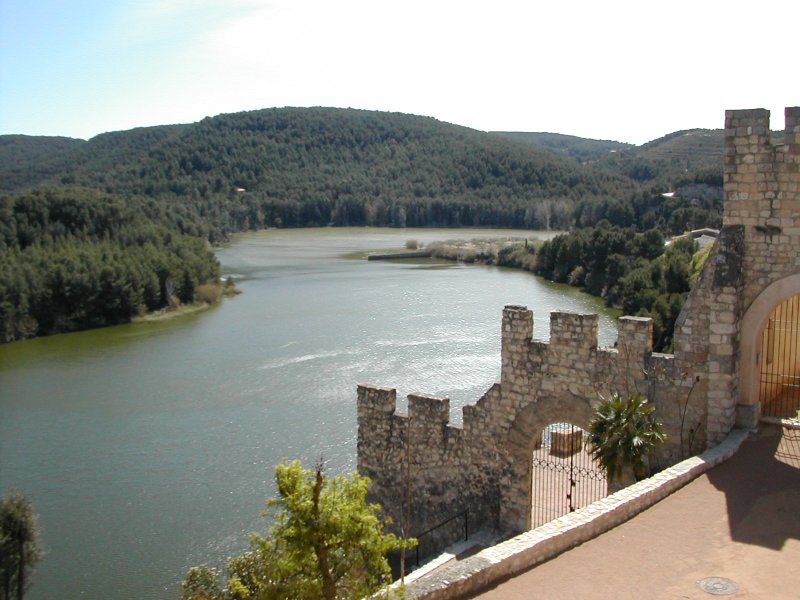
(761, 484)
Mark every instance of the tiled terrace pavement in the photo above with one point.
(740, 520)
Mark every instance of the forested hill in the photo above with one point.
(290, 167)
(76, 258)
(27, 160)
(581, 149)
(668, 158)
(178, 187)
(697, 151)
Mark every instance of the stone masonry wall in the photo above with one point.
(762, 190)
(759, 244)
(425, 469)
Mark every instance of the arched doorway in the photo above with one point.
(769, 344)
(564, 478)
(523, 438)
(779, 365)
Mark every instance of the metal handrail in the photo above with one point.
(464, 514)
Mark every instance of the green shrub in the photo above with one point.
(623, 434)
(208, 293)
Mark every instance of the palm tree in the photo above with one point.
(623, 434)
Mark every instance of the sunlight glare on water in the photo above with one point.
(149, 448)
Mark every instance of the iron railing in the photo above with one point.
(419, 536)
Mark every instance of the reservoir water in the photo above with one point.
(149, 448)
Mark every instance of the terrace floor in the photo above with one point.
(738, 523)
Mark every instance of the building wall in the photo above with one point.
(426, 470)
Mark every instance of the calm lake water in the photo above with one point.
(148, 448)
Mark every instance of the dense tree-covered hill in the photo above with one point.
(581, 149)
(288, 167)
(26, 150)
(668, 158)
(320, 166)
(672, 157)
(26, 160)
(74, 258)
(696, 147)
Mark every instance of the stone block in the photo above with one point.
(566, 443)
(747, 415)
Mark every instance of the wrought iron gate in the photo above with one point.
(565, 477)
(779, 389)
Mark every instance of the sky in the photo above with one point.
(630, 71)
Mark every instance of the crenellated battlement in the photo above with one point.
(759, 170)
(374, 400)
(573, 330)
(517, 324)
(426, 469)
(380, 402)
(573, 336)
(562, 378)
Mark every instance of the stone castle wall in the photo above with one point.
(761, 194)
(426, 469)
(717, 333)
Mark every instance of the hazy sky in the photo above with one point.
(629, 71)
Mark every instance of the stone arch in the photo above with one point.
(752, 327)
(529, 421)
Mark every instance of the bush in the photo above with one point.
(518, 255)
(577, 277)
(208, 293)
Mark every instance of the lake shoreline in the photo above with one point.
(161, 438)
(170, 313)
(226, 291)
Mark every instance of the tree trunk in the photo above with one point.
(320, 549)
(20, 568)
(626, 478)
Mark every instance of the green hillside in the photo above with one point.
(667, 159)
(292, 167)
(671, 157)
(694, 147)
(328, 166)
(97, 231)
(75, 258)
(26, 160)
(581, 149)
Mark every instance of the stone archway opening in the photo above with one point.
(769, 366)
(525, 438)
(779, 362)
(564, 475)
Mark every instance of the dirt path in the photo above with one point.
(740, 521)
